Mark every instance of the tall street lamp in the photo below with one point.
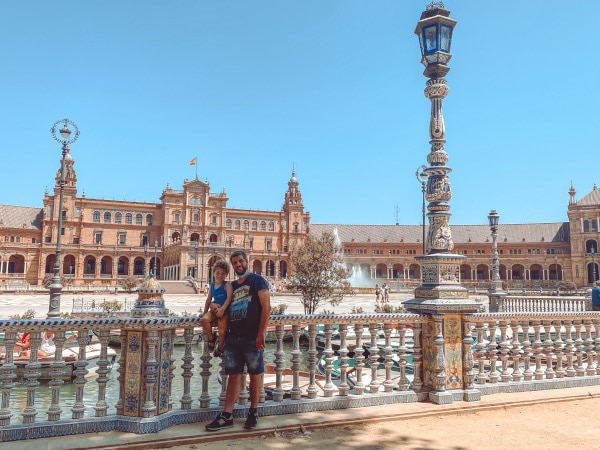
(422, 178)
(493, 219)
(155, 268)
(65, 140)
(196, 259)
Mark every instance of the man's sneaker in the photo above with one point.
(251, 421)
(220, 422)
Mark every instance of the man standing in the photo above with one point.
(248, 319)
(596, 297)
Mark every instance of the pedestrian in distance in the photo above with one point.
(596, 297)
(377, 293)
(248, 319)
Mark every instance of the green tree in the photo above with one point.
(319, 273)
(130, 283)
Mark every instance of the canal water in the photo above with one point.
(18, 397)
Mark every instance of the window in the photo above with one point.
(237, 224)
(271, 226)
(118, 217)
(377, 251)
(138, 219)
(228, 224)
(128, 218)
(77, 212)
(586, 226)
(254, 225)
(96, 216)
(176, 218)
(246, 225)
(594, 225)
(263, 226)
(33, 240)
(64, 215)
(98, 238)
(107, 217)
(76, 241)
(196, 218)
(122, 239)
(47, 239)
(148, 219)
(213, 219)
(347, 251)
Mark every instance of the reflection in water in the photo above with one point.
(43, 394)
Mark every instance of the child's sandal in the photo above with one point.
(218, 352)
(211, 344)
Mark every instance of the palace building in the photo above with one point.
(190, 228)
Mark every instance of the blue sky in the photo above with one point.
(331, 87)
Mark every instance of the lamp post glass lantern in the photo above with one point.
(65, 139)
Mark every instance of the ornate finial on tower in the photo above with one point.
(435, 5)
(572, 194)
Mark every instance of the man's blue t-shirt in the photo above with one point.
(245, 308)
(596, 296)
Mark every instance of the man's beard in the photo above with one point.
(243, 274)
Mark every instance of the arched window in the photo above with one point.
(254, 225)
(138, 219)
(213, 219)
(96, 216)
(228, 224)
(237, 225)
(195, 217)
(246, 225)
(195, 201)
(149, 219)
(271, 226)
(118, 217)
(128, 218)
(106, 217)
(594, 225)
(263, 226)
(586, 226)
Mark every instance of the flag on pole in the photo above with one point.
(193, 161)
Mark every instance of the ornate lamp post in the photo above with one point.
(422, 179)
(440, 295)
(154, 265)
(65, 140)
(196, 259)
(493, 219)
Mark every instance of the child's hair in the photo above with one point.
(221, 264)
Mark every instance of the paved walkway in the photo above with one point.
(11, 304)
(551, 419)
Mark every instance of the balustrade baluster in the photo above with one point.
(103, 370)
(187, 367)
(205, 366)
(439, 378)
(517, 374)
(343, 387)
(224, 381)
(569, 348)
(467, 341)
(32, 375)
(504, 350)
(494, 352)
(373, 358)
(312, 361)
(580, 370)
(538, 350)
(56, 372)
(296, 393)
(7, 377)
(549, 346)
(589, 348)
(279, 364)
(359, 358)
(403, 383)
(527, 351)
(482, 375)
(418, 357)
(388, 384)
(559, 352)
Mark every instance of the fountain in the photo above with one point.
(359, 276)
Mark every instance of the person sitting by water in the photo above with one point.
(215, 307)
(47, 347)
